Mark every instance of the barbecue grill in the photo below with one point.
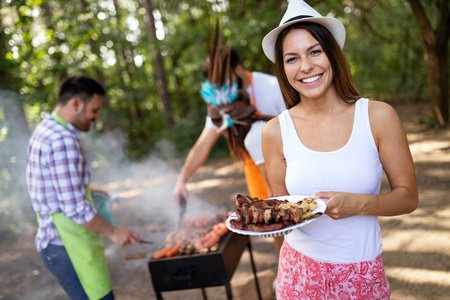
(202, 270)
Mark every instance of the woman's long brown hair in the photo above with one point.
(343, 79)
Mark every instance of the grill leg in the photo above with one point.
(228, 288)
(158, 296)
(249, 246)
(204, 294)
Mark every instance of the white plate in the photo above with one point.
(321, 207)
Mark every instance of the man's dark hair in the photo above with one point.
(79, 86)
(228, 55)
(235, 59)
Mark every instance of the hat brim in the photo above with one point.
(335, 26)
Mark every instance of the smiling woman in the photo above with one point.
(306, 65)
(333, 144)
(320, 46)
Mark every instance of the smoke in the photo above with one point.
(144, 187)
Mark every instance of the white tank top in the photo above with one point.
(354, 168)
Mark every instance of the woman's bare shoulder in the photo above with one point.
(272, 128)
(382, 113)
(384, 120)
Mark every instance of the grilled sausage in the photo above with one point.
(135, 256)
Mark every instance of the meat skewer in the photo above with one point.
(270, 214)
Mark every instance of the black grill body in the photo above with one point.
(201, 270)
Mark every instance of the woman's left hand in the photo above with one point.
(341, 205)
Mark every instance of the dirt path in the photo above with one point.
(416, 247)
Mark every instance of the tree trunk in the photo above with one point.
(436, 57)
(4, 78)
(437, 80)
(14, 149)
(14, 115)
(100, 77)
(61, 72)
(122, 71)
(161, 79)
(184, 105)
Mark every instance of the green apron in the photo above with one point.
(85, 249)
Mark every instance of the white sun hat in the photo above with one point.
(299, 11)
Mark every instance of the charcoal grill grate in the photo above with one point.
(202, 270)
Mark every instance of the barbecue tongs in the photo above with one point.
(182, 211)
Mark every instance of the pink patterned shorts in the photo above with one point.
(300, 277)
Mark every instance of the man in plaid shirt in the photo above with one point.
(68, 237)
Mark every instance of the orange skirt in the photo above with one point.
(255, 181)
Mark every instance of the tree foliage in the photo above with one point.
(44, 41)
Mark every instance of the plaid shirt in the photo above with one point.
(57, 173)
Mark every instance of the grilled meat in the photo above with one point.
(270, 214)
(197, 236)
(253, 210)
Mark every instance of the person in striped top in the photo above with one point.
(70, 229)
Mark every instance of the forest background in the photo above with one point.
(148, 54)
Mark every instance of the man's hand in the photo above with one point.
(119, 235)
(124, 236)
